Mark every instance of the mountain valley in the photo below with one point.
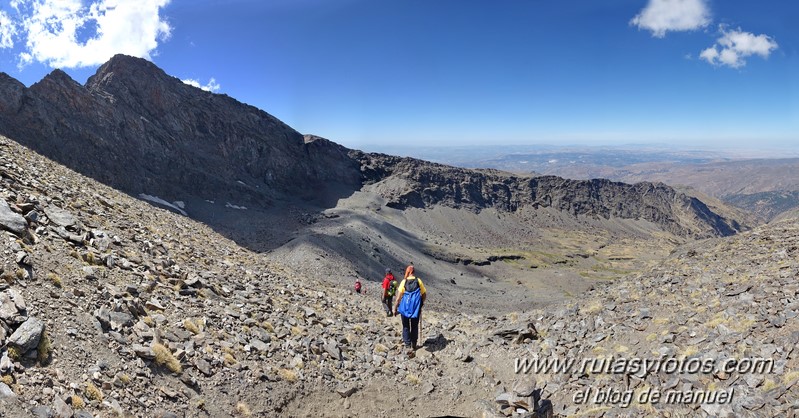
(173, 252)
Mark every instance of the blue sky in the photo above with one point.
(440, 72)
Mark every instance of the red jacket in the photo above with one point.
(387, 282)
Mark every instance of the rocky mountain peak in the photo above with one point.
(142, 131)
(59, 88)
(130, 77)
(58, 77)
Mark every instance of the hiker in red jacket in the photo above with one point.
(389, 288)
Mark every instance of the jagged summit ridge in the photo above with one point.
(140, 130)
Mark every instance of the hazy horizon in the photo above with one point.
(732, 152)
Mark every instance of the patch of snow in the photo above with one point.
(209, 201)
(241, 182)
(552, 161)
(158, 200)
(229, 205)
(179, 203)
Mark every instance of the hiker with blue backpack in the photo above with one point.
(411, 295)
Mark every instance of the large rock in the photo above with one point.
(61, 409)
(116, 321)
(9, 308)
(59, 216)
(6, 392)
(10, 220)
(27, 336)
(6, 365)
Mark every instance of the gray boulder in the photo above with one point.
(59, 216)
(10, 220)
(27, 336)
(6, 392)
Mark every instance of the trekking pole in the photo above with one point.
(419, 327)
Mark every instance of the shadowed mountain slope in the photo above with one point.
(137, 129)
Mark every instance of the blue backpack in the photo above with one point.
(411, 302)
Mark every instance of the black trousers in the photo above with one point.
(387, 303)
(410, 331)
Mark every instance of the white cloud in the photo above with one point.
(709, 54)
(212, 85)
(7, 30)
(735, 46)
(65, 33)
(661, 16)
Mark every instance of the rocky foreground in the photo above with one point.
(726, 302)
(110, 307)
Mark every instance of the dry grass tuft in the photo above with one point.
(287, 375)
(93, 393)
(229, 359)
(191, 326)
(77, 402)
(55, 279)
(243, 410)
(14, 353)
(45, 349)
(89, 258)
(164, 357)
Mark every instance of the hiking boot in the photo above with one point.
(411, 353)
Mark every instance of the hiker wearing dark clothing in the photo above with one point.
(411, 295)
(389, 288)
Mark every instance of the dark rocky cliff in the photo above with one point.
(138, 129)
(423, 184)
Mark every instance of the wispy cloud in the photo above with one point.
(734, 46)
(67, 34)
(661, 16)
(212, 85)
(7, 30)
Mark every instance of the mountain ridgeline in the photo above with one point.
(408, 182)
(136, 128)
(139, 130)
